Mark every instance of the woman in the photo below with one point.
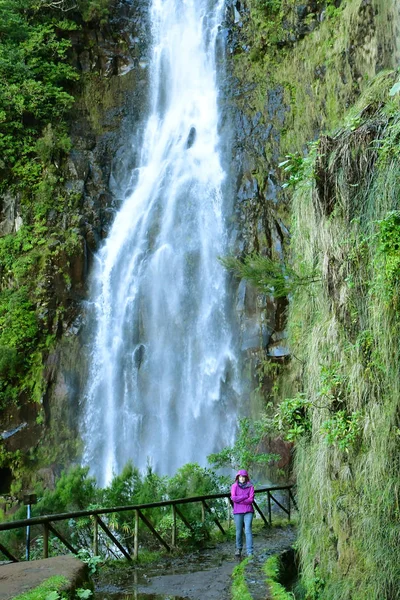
(242, 496)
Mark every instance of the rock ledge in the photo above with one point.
(18, 578)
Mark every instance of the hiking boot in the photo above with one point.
(238, 553)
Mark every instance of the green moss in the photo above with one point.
(48, 590)
(345, 332)
(239, 589)
(303, 85)
(272, 570)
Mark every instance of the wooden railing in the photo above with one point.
(48, 520)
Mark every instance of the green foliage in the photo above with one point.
(389, 250)
(343, 429)
(298, 167)
(189, 481)
(269, 276)
(272, 570)
(346, 339)
(92, 562)
(18, 323)
(246, 452)
(94, 10)
(75, 490)
(268, 7)
(34, 73)
(239, 589)
(293, 417)
(83, 594)
(48, 590)
(193, 480)
(36, 79)
(52, 145)
(18, 334)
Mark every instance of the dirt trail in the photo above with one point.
(202, 575)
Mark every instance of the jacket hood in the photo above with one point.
(242, 472)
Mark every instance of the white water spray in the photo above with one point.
(163, 371)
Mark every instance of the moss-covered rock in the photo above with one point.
(335, 131)
(52, 226)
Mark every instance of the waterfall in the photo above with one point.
(163, 376)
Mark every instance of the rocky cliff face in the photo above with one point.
(295, 70)
(326, 62)
(111, 98)
(110, 106)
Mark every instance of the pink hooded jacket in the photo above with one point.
(242, 497)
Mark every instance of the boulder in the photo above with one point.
(19, 578)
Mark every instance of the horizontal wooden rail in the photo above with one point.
(106, 511)
(47, 520)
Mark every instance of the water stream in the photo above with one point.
(163, 384)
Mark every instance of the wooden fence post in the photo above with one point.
(95, 535)
(49, 529)
(136, 537)
(269, 508)
(45, 540)
(174, 532)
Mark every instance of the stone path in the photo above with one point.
(202, 575)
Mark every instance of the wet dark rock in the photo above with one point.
(139, 355)
(191, 137)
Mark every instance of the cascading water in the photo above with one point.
(162, 385)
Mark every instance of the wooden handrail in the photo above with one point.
(105, 511)
(47, 520)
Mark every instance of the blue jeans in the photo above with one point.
(245, 519)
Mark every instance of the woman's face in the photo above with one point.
(242, 479)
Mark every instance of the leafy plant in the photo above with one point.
(293, 417)
(342, 430)
(294, 166)
(389, 248)
(83, 594)
(48, 590)
(246, 452)
(92, 562)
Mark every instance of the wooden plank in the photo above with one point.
(293, 500)
(269, 508)
(4, 550)
(45, 540)
(208, 509)
(280, 505)
(136, 537)
(113, 539)
(95, 535)
(258, 509)
(150, 526)
(62, 539)
(105, 511)
(174, 530)
(183, 518)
